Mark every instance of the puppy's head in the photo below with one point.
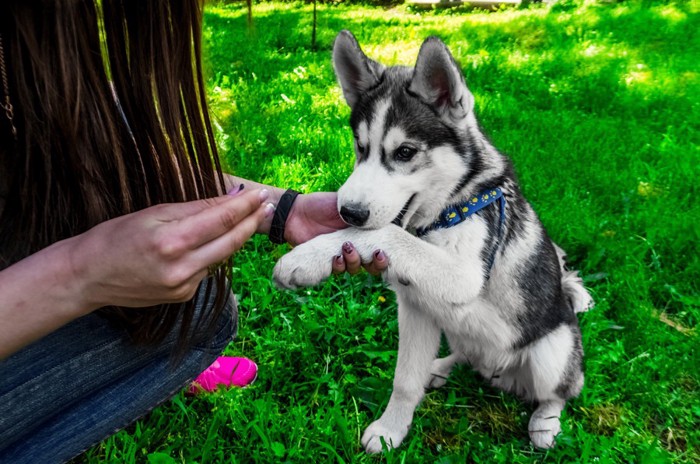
(410, 134)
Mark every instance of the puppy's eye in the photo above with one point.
(404, 153)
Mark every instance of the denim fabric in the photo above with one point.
(83, 382)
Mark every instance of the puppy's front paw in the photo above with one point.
(372, 438)
(304, 266)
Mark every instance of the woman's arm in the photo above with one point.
(157, 255)
(311, 215)
(38, 295)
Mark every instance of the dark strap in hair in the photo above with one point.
(7, 104)
(280, 218)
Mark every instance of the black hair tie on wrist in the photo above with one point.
(280, 218)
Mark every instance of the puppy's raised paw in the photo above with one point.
(304, 266)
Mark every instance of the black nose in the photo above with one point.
(355, 215)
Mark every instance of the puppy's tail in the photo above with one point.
(572, 284)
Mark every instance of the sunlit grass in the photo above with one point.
(598, 104)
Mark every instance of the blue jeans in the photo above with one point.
(82, 383)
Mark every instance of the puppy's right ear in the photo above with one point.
(438, 81)
(356, 73)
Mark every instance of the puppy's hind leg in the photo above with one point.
(544, 424)
(440, 369)
(554, 366)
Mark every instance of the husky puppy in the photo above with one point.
(468, 256)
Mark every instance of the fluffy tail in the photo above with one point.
(572, 285)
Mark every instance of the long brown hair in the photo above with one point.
(111, 117)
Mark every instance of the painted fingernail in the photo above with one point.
(269, 209)
(235, 191)
(379, 255)
(339, 260)
(264, 194)
(347, 247)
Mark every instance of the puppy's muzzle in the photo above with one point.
(354, 214)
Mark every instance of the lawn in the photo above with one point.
(598, 104)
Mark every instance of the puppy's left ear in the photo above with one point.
(438, 81)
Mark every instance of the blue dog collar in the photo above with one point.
(454, 214)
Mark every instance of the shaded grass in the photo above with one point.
(598, 105)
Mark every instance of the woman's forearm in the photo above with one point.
(37, 296)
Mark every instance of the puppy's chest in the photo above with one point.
(476, 323)
(407, 291)
(464, 241)
(454, 308)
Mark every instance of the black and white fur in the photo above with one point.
(419, 149)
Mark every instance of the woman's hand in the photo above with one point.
(317, 213)
(161, 254)
(157, 255)
(311, 215)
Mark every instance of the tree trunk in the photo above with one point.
(313, 31)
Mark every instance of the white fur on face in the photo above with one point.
(446, 169)
(376, 130)
(395, 137)
(384, 193)
(362, 139)
(370, 185)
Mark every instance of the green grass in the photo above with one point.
(598, 105)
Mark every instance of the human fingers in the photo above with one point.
(338, 264)
(353, 262)
(219, 249)
(379, 263)
(222, 217)
(175, 211)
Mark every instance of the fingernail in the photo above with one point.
(269, 209)
(235, 190)
(347, 247)
(379, 255)
(339, 259)
(264, 194)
